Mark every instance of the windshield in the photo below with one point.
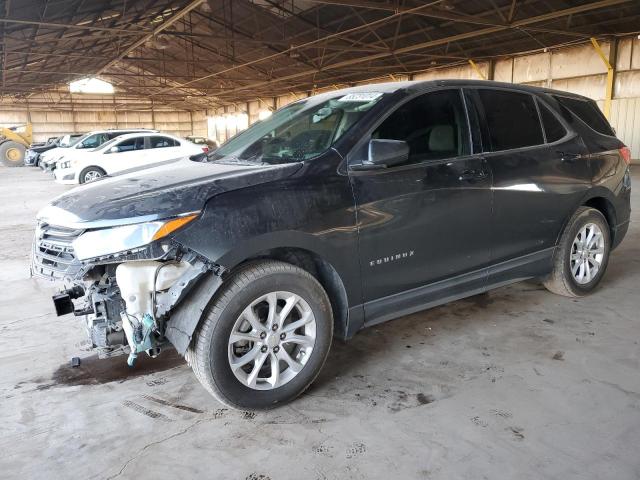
(69, 140)
(299, 131)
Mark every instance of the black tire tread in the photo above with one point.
(197, 353)
(4, 147)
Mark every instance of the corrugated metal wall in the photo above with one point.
(96, 112)
(625, 117)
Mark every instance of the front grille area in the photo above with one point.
(53, 256)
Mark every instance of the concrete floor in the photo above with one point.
(516, 384)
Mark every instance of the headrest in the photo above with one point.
(441, 139)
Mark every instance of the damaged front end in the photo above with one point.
(125, 280)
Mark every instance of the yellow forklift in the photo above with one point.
(14, 141)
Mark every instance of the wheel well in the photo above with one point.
(606, 208)
(93, 167)
(323, 271)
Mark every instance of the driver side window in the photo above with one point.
(434, 125)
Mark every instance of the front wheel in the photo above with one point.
(582, 254)
(91, 174)
(265, 336)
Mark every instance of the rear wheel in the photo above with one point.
(12, 154)
(582, 254)
(91, 174)
(264, 338)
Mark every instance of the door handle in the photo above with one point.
(472, 175)
(569, 157)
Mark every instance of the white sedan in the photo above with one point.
(123, 153)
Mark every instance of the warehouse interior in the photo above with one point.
(213, 68)
(515, 383)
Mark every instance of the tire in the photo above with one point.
(12, 154)
(562, 279)
(87, 173)
(211, 353)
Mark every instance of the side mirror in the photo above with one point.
(384, 153)
(114, 150)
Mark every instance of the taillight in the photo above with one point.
(205, 149)
(626, 155)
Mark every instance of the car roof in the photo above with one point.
(123, 130)
(127, 136)
(419, 85)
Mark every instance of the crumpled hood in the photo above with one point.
(170, 189)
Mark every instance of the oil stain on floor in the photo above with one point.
(95, 371)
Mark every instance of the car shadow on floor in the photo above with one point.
(370, 345)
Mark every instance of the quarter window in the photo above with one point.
(553, 129)
(588, 112)
(163, 142)
(434, 126)
(512, 119)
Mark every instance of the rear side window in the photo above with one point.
(434, 126)
(588, 112)
(162, 142)
(512, 119)
(131, 144)
(553, 129)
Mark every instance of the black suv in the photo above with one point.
(340, 211)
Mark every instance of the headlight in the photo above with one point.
(109, 241)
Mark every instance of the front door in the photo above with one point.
(131, 154)
(424, 226)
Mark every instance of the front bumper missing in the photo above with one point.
(130, 308)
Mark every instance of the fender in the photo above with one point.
(314, 212)
(311, 211)
(186, 316)
(591, 194)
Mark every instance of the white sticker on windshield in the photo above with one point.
(360, 97)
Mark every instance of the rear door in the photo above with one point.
(424, 226)
(538, 175)
(163, 148)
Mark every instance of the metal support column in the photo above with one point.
(477, 69)
(610, 74)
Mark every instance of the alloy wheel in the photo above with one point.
(91, 175)
(272, 340)
(587, 253)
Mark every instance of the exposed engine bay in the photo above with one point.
(125, 299)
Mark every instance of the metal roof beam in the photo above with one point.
(443, 41)
(71, 26)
